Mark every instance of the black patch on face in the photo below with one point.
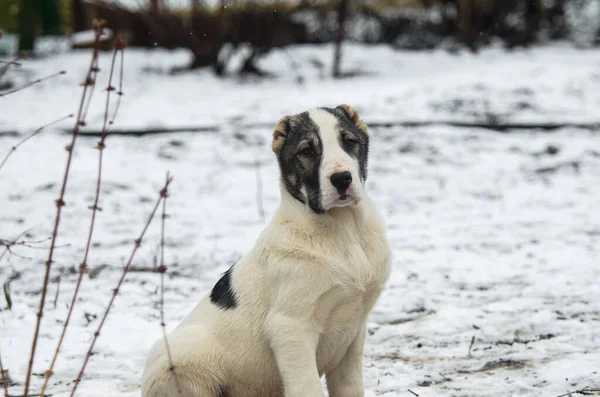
(353, 132)
(300, 159)
(222, 293)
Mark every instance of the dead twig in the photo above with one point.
(471, 345)
(119, 46)
(412, 392)
(586, 391)
(4, 378)
(13, 62)
(95, 208)
(57, 294)
(162, 270)
(138, 243)
(34, 133)
(6, 290)
(89, 81)
(32, 83)
(8, 244)
(10, 62)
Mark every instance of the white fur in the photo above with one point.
(303, 293)
(334, 159)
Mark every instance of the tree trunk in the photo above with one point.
(78, 16)
(26, 25)
(50, 17)
(339, 37)
(195, 6)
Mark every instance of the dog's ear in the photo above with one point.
(352, 114)
(280, 134)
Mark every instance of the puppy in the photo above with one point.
(295, 307)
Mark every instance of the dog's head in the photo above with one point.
(322, 155)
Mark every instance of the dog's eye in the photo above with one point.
(307, 152)
(350, 143)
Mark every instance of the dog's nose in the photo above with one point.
(341, 181)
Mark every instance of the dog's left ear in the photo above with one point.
(280, 134)
(352, 114)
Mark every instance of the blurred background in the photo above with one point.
(206, 27)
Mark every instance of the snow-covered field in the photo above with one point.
(495, 289)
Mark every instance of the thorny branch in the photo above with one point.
(162, 269)
(95, 208)
(89, 81)
(138, 243)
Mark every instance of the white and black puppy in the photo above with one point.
(295, 307)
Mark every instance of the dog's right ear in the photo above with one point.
(280, 134)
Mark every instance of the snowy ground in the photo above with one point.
(495, 236)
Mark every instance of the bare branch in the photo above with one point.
(137, 245)
(32, 83)
(98, 28)
(95, 208)
(162, 269)
(15, 241)
(120, 46)
(28, 137)
(13, 62)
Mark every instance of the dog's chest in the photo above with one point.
(359, 279)
(362, 266)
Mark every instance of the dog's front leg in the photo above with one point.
(346, 379)
(294, 344)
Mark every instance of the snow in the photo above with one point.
(87, 37)
(494, 237)
(554, 83)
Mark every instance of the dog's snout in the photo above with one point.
(341, 181)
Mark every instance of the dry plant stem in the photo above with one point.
(586, 391)
(32, 83)
(7, 64)
(4, 380)
(23, 243)
(15, 241)
(91, 81)
(162, 270)
(137, 245)
(8, 244)
(95, 208)
(59, 205)
(34, 133)
(120, 47)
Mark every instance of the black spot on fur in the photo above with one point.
(222, 293)
(299, 170)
